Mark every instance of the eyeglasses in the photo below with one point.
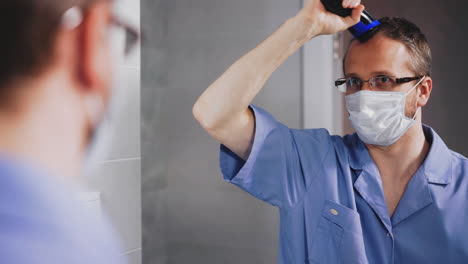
(132, 36)
(381, 82)
(73, 17)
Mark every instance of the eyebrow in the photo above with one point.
(376, 73)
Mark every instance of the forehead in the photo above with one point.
(378, 55)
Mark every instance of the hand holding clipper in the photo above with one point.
(363, 30)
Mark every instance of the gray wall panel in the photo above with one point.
(201, 218)
(153, 130)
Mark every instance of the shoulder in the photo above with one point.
(457, 156)
(313, 142)
(25, 228)
(459, 163)
(323, 136)
(44, 216)
(55, 235)
(320, 134)
(315, 137)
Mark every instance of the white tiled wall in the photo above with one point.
(118, 175)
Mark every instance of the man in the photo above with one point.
(55, 77)
(392, 193)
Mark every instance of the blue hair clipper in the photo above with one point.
(364, 30)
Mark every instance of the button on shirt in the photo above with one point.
(332, 205)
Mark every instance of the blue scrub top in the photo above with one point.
(331, 201)
(42, 221)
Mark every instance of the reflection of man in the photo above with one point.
(392, 193)
(55, 88)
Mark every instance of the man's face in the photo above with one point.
(382, 56)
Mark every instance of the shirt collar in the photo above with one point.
(437, 166)
(438, 163)
(358, 153)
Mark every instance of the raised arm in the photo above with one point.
(223, 109)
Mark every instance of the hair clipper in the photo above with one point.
(363, 30)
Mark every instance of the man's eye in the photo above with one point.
(353, 81)
(384, 79)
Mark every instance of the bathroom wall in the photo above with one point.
(190, 215)
(154, 134)
(118, 175)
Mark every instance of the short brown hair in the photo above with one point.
(406, 32)
(29, 28)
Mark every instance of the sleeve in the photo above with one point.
(273, 172)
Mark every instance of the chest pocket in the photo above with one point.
(338, 237)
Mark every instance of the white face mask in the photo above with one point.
(379, 117)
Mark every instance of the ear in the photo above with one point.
(94, 60)
(425, 89)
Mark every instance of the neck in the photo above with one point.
(404, 157)
(43, 130)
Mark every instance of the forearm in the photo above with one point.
(230, 95)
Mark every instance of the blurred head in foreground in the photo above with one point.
(56, 72)
(56, 76)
